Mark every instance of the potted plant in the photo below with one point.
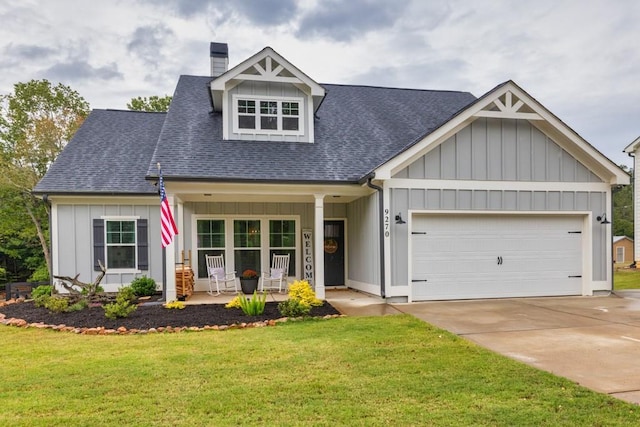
(249, 281)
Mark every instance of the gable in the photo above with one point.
(499, 150)
(509, 102)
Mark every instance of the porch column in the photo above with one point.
(319, 245)
(170, 266)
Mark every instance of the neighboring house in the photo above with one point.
(633, 150)
(404, 193)
(622, 249)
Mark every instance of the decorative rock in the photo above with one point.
(121, 330)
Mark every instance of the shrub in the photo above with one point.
(294, 308)
(121, 308)
(78, 306)
(253, 306)
(126, 293)
(144, 286)
(175, 305)
(57, 304)
(301, 291)
(41, 294)
(42, 290)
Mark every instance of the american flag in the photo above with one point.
(168, 225)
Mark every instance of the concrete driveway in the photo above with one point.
(594, 341)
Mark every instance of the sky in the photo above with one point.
(579, 58)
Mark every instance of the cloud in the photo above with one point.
(147, 43)
(77, 70)
(27, 52)
(263, 13)
(344, 20)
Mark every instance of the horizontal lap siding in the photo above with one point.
(499, 150)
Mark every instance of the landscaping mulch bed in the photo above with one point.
(152, 316)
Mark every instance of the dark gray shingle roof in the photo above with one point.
(110, 153)
(357, 129)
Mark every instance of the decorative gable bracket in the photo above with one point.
(508, 106)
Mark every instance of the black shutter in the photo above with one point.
(98, 243)
(143, 245)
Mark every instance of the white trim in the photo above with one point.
(229, 248)
(550, 126)
(318, 219)
(257, 131)
(495, 185)
(588, 285)
(53, 232)
(114, 218)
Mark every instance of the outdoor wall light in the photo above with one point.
(399, 219)
(603, 219)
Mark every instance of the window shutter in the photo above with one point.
(143, 245)
(98, 243)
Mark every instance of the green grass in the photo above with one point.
(626, 279)
(393, 370)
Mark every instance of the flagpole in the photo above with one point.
(164, 256)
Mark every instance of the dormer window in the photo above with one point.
(268, 115)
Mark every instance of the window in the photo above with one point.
(268, 115)
(246, 244)
(121, 243)
(210, 241)
(246, 114)
(282, 241)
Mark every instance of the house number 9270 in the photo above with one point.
(387, 222)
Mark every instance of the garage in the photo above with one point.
(467, 256)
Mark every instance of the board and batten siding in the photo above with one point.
(269, 89)
(499, 150)
(364, 244)
(73, 246)
(305, 211)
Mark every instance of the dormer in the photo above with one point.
(266, 98)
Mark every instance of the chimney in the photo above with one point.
(219, 58)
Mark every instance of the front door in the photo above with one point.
(334, 253)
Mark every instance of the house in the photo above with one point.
(407, 194)
(633, 150)
(622, 249)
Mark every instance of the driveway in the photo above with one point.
(594, 341)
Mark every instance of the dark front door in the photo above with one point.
(334, 253)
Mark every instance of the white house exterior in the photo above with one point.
(408, 194)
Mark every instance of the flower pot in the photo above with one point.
(249, 286)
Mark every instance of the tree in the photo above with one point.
(623, 208)
(153, 103)
(36, 122)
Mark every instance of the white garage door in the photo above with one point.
(495, 256)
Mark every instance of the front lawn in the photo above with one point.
(626, 278)
(393, 370)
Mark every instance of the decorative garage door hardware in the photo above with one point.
(499, 260)
(574, 232)
(418, 232)
(573, 277)
(418, 280)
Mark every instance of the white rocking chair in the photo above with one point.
(218, 275)
(279, 274)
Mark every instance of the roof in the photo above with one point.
(616, 239)
(110, 153)
(357, 128)
(631, 148)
